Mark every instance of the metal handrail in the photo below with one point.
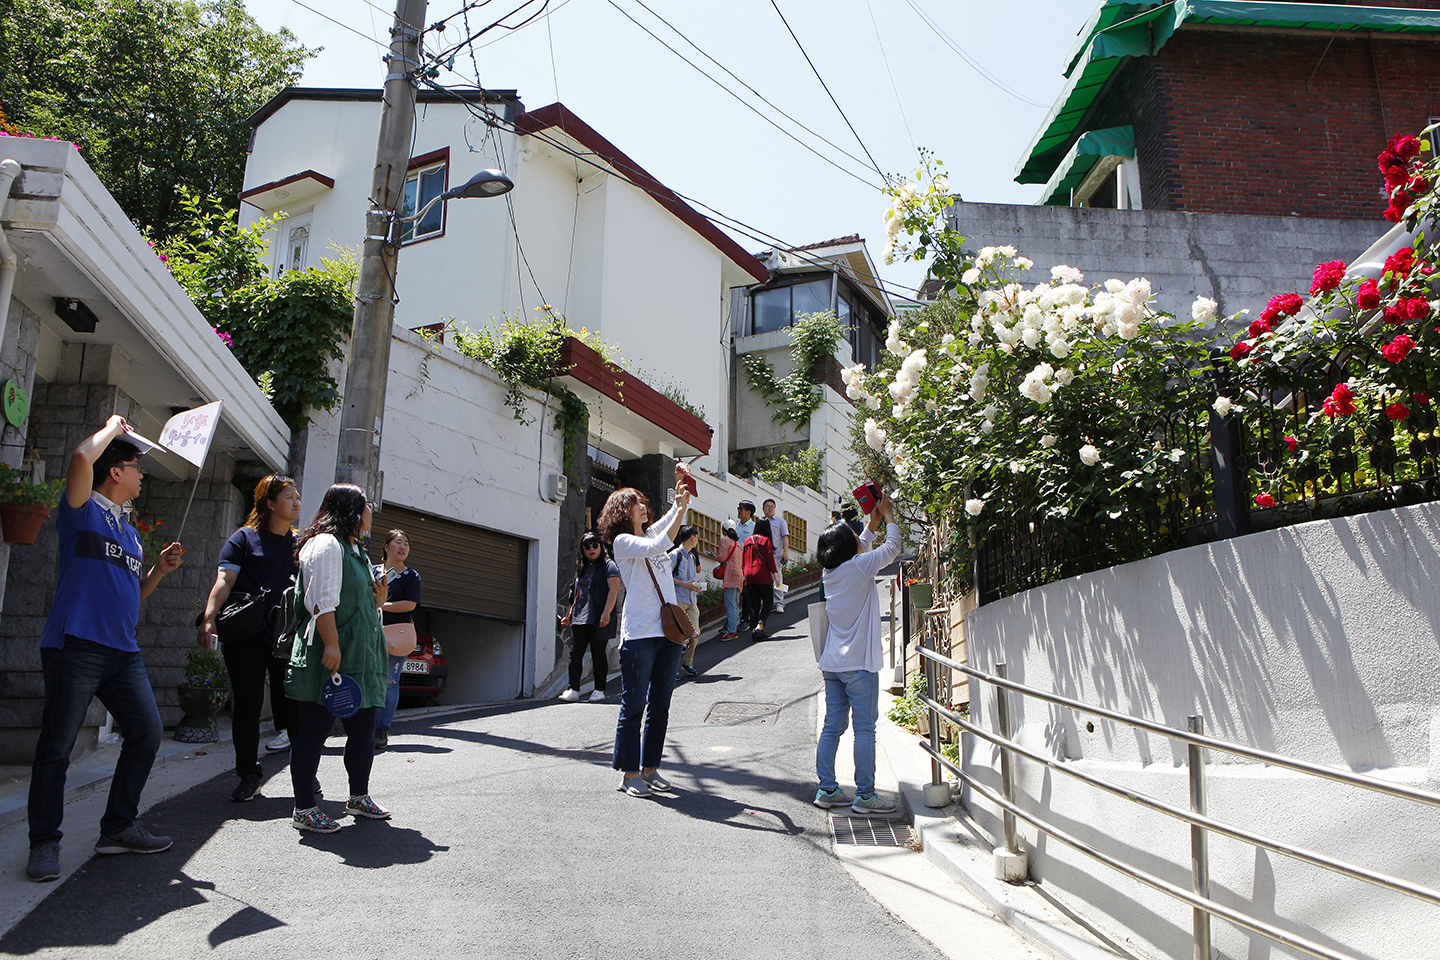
(1200, 823)
(1263, 756)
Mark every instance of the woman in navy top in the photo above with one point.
(403, 596)
(590, 617)
(260, 556)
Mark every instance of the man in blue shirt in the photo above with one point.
(89, 650)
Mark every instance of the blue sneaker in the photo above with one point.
(873, 806)
(825, 799)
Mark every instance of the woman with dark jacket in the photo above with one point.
(760, 576)
(592, 603)
(340, 633)
(259, 560)
(402, 596)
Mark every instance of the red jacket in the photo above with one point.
(759, 560)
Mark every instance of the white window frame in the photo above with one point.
(416, 177)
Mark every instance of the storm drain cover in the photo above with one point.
(871, 832)
(733, 713)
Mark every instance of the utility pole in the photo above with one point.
(363, 405)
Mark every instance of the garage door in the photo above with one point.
(462, 568)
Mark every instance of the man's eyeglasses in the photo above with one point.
(135, 464)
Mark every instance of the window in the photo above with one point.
(297, 249)
(423, 184)
(799, 533)
(777, 307)
(709, 533)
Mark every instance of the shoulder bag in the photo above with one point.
(673, 618)
(287, 619)
(244, 614)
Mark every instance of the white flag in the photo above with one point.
(189, 434)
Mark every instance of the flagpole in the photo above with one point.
(180, 537)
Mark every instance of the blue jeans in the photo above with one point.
(732, 609)
(74, 674)
(648, 666)
(857, 693)
(385, 714)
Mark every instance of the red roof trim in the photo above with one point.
(582, 363)
(557, 115)
(328, 182)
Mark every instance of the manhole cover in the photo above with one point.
(871, 832)
(733, 713)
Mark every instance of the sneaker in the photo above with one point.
(688, 670)
(635, 787)
(872, 806)
(248, 789)
(281, 742)
(727, 635)
(655, 781)
(569, 696)
(314, 820)
(825, 799)
(382, 738)
(365, 807)
(44, 862)
(597, 696)
(133, 839)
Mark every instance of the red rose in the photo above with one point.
(1396, 175)
(1260, 328)
(1394, 215)
(1394, 315)
(1417, 185)
(1367, 297)
(1327, 276)
(1415, 308)
(1405, 147)
(1291, 443)
(1284, 305)
(1340, 403)
(1397, 411)
(1422, 398)
(1264, 500)
(1401, 262)
(1397, 349)
(1240, 350)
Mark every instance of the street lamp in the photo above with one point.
(486, 183)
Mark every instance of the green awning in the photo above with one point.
(1119, 29)
(1077, 164)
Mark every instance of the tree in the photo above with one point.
(155, 92)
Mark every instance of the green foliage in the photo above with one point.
(284, 331)
(157, 93)
(15, 487)
(206, 668)
(795, 397)
(908, 708)
(805, 469)
(614, 356)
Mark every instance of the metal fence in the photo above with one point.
(1200, 825)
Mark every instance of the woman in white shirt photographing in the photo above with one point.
(648, 661)
(853, 656)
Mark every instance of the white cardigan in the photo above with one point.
(641, 616)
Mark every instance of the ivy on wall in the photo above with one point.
(794, 397)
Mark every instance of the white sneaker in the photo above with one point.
(569, 696)
(597, 696)
(282, 742)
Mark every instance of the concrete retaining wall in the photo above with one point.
(1317, 641)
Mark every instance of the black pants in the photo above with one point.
(759, 601)
(583, 636)
(248, 663)
(307, 740)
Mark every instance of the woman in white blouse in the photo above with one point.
(648, 661)
(341, 604)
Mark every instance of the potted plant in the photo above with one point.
(201, 696)
(922, 593)
(24, 505)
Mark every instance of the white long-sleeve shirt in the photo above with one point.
(641, 616)
(853, 607)
(322, 565)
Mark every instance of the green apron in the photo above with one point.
(362, 643)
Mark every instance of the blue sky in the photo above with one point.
(899, 83)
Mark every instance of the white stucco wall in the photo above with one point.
(1317, 641)
(451, 448)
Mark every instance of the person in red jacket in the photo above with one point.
(759, 567)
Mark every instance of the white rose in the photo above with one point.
(1063, 376)
(1066, 274)
(973, 507)
(872, 401)
(874, 435)
(1024, 263)
(1089, 455)
(1031, 336)
(1113, 286)
(987, 426)
(970, 276)
(1222, 406)
(975, 339)
(1048, 441)
(1202, 310)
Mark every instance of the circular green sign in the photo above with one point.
(17, 403)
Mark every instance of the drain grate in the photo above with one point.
(871, 832)
(736, 713)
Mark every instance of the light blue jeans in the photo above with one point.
(853, 693)
(732, 609)
(386, 714)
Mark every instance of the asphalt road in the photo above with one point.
(509, 839)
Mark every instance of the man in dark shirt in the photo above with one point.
(89, 650)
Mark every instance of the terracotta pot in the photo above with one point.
(22, 521)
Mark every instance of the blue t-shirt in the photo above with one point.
(97, 595)
(404, 585)
(591, 591)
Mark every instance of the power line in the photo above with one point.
(732, 93)
(447, 52)
(974, 64)
(827, 89)
(886, 60)
(337, 23)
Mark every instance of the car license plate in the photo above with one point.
(415, 666)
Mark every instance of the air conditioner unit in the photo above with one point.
(559, 486)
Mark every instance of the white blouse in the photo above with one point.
(322, 563)
(641, 615)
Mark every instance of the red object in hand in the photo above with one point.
(868, 495)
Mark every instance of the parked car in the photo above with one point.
(425, 670)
